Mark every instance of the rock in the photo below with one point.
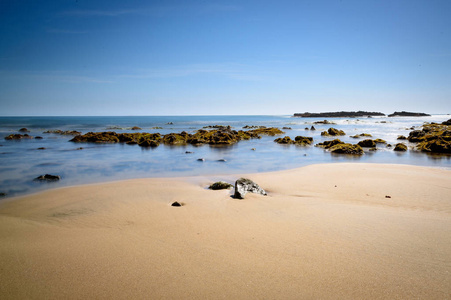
(346, 148)
(67, 132)
(169, 123)
(253, 149)
(361, 135)
(306, 128)
(286, 128)
(333, 132)
(136, 128)
(416, 136)
(284, 140)
(41, 148)
(47, 177)
(312, 128)
(324, 122)
(447, 122)
(253, 127)
(24, 130)
(367, 143)
(188, 152)
(38, 137)
(303, 140)
(244, 185)
(400, 147)
(3, 194)
(201, 159)
(149, 143)
(176, 204)
(373, 149)
(18, 137)
(380, 141)
(220, 185)
(408, 114)
(222, 160)
(266, 131)
(401, 137)
(387, 196)
(329, 144)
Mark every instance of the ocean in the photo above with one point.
(21, 161)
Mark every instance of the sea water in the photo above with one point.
(21, 160)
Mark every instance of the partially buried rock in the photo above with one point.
(47, 177)
(244, 185)
(176, 204)
(220, 185)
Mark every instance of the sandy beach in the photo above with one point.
(324, 231)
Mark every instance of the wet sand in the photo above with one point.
(324, 231)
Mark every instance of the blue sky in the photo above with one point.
(223, 57)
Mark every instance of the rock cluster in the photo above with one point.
(299, 140)
(222, 136)
(18, 136)
(434, 138)
(339, 147)
(67, 132)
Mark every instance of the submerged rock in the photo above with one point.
(361, 135)
(433, 138)
(24, 130)
(329, 144)
(367, 143)
(401, 137)
(136, 128)
(244, 185)
(220, 185)
(67, 132)
(47, 177)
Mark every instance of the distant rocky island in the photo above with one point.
(339, 114)
(408, 114)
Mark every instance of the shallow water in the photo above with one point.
(21, 161)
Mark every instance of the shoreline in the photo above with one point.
(323, 231)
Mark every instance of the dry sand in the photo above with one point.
(323, 232)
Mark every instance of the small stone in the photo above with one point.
(253, 149)
(222, 160)
(201, 159)
(188, 152)
(3, 194)
(387, 196)
(24, 130)
(176, 204)
(41, 148)
(38, 137)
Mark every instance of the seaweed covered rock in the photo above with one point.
(97, 137)
(361, 135)
(400, 147)
(401, 137)
(345, 148)
(434, 138)
(18, 137)
(329, 144)
(303, 140)
(325, 122)
(176, 138)
(220, 185)
(380, 141)
(244, 186)
(367, 143)
(448, 122)
(284, 140)
(271, 131)
(333, 132)
(67, 132)
(416, 136)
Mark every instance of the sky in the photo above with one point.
(80, 57)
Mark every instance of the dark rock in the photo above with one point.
(339, 114)
(367, 143)
(303, 140)
(244, 185)
(149, 143)
(400, 147)
(284, 140)
(201, 159)
(67, 132)
(176, 204)
(169, 123)
(408, 114)
(286, 128)
(380, 141)
(387, 196)
(312, 128)
(333, 132)
(253, 149)
(447, 122)
(188, 152)
(3, 194)
(47, 177)
(401, 137)
(361, 135)
(346, 148)
(324, 122)
(329, 144)
(18, 137)
(222, 160)
(416, 136)
(38, 137)
(306, 128)
(24, 130)
(136, 128)
(220, 185)
(253, 127)
(41, 148)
